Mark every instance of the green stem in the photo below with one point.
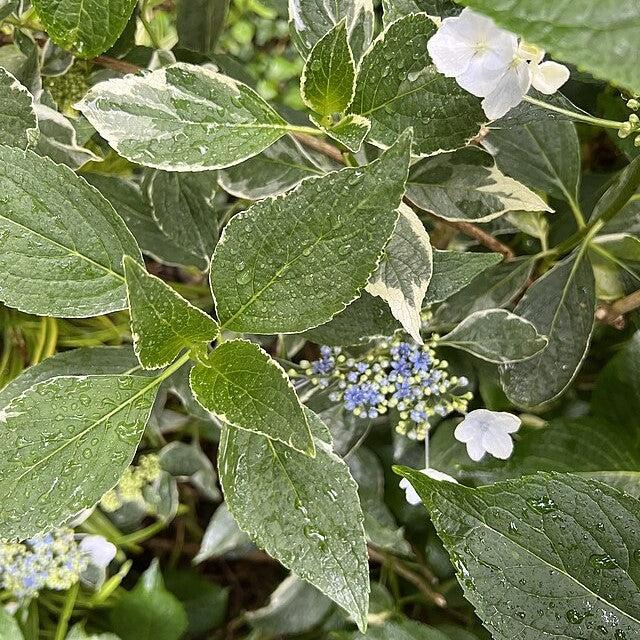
(574, 115)
(310, 131)
(67, 610)
(577, 213)
(144, 534)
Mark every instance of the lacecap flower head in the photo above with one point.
(492, 63)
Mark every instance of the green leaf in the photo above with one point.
(395, 9)
(66, 442)
(7, 7)
(453, 271)
(149, 610)
(616, 396)
(182, 118)
(329, 74)
(561, 305)
(466, 185)
(319, 533)
(130, 204)
(221, 536)
(622, 188)
(9, 629)
(496, 335)
(310, 20)
(243, 386)
(495, 287)
(350, 131)
(60, 255)
(404, 272)
(401, 630)
(543, 155)
(292, 262)
(77, 362)
(163, 323)
(18, 124)
(200, 23)
(88, 28)
(598, 37)
(182, 205)
(398, 87)
(363, 320)
(548, 556)
(282, 166)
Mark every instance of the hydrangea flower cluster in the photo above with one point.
(132, 484)
(398, 375)
(53, 561)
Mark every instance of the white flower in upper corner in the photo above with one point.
(98, 550)
(412, 495)
(490, 63)
(485, 431)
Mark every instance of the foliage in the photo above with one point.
(319, 246)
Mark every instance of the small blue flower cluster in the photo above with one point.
(53, 561)
(398, 375)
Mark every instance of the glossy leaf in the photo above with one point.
(87, 28)
(622, 188)
(399, 87)
(329, 75)
(243, 386)
(304, 512)
(163, 323)
(182, 118)
(466, 185)
(394, 9)
(221, 536)
(59, 256)
(350, 131)
(66, 442)
(18, 125)
(9, 629)
(561, 305)
(552, 556)
(496, 335)
(292, 262)
(600, 37)
(404, 272)
(200, 23)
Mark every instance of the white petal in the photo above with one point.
(509, 92)
(450, 54)
(506, 421)
(410, 493)
(100, 551)
(498, 443)
(475, 449)
(482, 75)
(467, 429)
(434, 474)
(549, 76)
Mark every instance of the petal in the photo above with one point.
(549, 76)
(100, 551)
(434, 474)
(411, 495)
(466, 430)
(476, 449)
(450, 54)
(482, 75)
(498, 443)
(506, 421)
(509, 92)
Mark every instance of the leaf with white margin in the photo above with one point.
(399, 87)
(86, 28)
(551, 556)
(466, 185)
(404, 272)
(395, 9)
(496, 335)
(60, 255)
(304, 512)
(350, 131)
(18, 125)
(310, 20)
(163, 323)
(561, 305)
(242, 385)
(329, 75)
(65, 442)
(276, 170)
(182, 118)
(58, 139)
(292, 262)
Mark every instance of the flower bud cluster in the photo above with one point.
(132, 484)
(50, 561)
(397, 375)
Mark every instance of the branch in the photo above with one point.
(614, 313)
(118, 65)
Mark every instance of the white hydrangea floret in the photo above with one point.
(98, 550)
(412, 495)
(491, 63)
(485, 431)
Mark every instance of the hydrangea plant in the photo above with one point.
(376, 262)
